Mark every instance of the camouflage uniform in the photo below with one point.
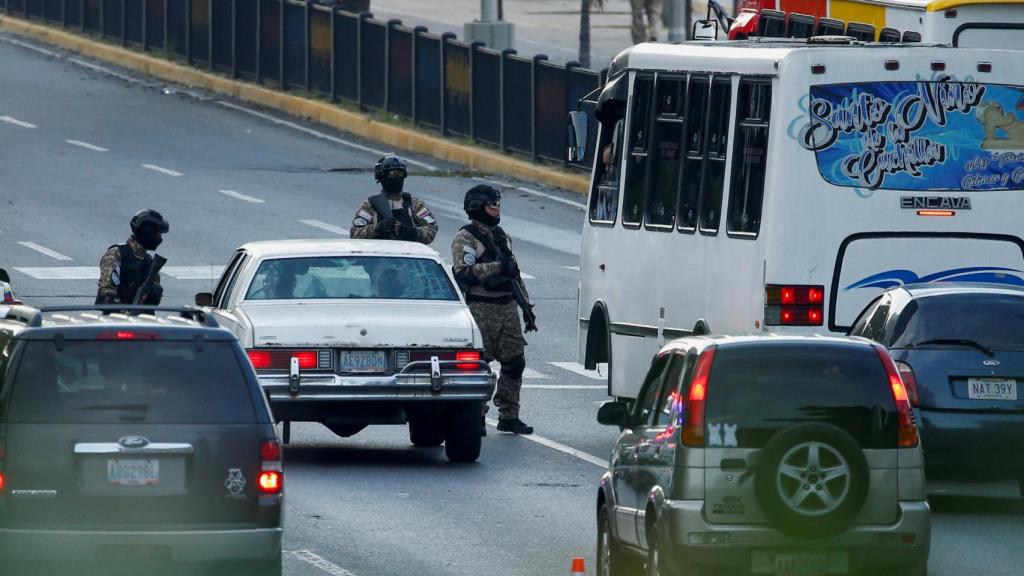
(110, 273)
(365, 224)
(497, 315)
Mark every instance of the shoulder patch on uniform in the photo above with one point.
(365, 214)
(469, 258)
(115, 276)
(468, 249)
(360, 221)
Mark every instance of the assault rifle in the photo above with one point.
(529, 318)
(158, 263)
(382, 206)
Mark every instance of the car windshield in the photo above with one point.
(156, 382)
(993, 321)
(351, 277)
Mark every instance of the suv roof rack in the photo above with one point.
(189, 312)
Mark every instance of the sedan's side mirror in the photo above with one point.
(613, 413)
(577, 136)
(4, 277)
(204, 299)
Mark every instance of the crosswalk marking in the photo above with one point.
(325, 226)
(44, 250)
(577, 368)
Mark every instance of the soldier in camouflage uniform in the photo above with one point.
(124, 267)
(406, 217)
(486, 281)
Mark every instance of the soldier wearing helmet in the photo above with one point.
(124, 267)
(393, 214)
(486, 271)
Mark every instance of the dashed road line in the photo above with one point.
(242, 197)
(577, 368)
(558, 199)
(325, 226)
(105, 70)
(573, 268)
(44, 250)
(161, 169)
(565, 387)
(318, 134)
(601, 462)
(317, 561)
(17, 122)
(31, 47)
(87, 146)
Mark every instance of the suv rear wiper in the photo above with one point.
(957, 342)
(133, 407)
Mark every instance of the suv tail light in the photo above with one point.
(3, 472)
(282, 359)
(271, 478)
(127, 335)
(794, 305)
(908, 430)
(693, 414)
(909, 381)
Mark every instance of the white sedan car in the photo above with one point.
(354, 332)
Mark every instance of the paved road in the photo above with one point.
(370, 505)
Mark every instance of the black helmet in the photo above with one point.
(390, 171)
(479, 196)
(148, 227)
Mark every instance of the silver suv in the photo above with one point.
(793, 456)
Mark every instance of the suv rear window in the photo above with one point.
(156, 382)
(764, 389)
(992, 320)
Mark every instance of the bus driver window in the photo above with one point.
(604, 200)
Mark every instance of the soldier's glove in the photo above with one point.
(154, 295)
(529, 318)
(509, 267)
(407, 233)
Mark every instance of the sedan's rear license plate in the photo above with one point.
(363, 361)
(133, 472)
(801, 564)
(992, 388)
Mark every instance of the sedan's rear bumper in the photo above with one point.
(972, 445)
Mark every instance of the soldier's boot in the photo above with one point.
(514, 425)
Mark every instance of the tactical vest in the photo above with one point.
(504, 285)
(133, 272)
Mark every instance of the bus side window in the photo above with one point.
(604, 198)
(717, 135)
(749, 156)
(696, 111)
(668, 136)
(638, 150)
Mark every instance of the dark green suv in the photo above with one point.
(133, 440)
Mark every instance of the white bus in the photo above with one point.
(778, 186)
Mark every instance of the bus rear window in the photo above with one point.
(925, 135)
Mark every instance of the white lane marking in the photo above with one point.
(527, 276)
(240, 196)
(573, 268)
(578, 368)
(17, 122)
(104, 70)
(325, 226)
(62, 272)
(565, 201)
(31, 47)
(528, 373)
(318, 134)
(318, 561)
(208, 272)
(602, 462)
(87, 146)
(162, 170)
(565, 387)
(44, 250)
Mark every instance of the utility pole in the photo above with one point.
(679, 24)
(584, 56)
(490, 29)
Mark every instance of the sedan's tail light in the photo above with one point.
(909, 381)
(468, 360)
(907, 429)
(263, 359)
(467, 356)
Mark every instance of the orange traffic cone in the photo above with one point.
(578, 566)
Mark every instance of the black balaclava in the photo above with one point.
(149, 236)
(392, 185)
(481, 215)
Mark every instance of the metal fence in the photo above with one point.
(434, 81)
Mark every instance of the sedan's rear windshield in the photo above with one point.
(755, 392)
(156, 382)
(996, 321)
(350, 277)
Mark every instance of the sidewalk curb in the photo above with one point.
(324, 113)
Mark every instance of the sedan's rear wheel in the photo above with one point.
(462, 432)
(427, 432)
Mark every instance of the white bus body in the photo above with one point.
(882, 165)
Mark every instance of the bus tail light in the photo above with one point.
(794, 305)
(693, 414)
(907, 429)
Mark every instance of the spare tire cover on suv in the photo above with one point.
(812, 480)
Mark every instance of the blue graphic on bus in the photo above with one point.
(926, 135)
(897, 277)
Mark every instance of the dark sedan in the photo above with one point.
(960, 350)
